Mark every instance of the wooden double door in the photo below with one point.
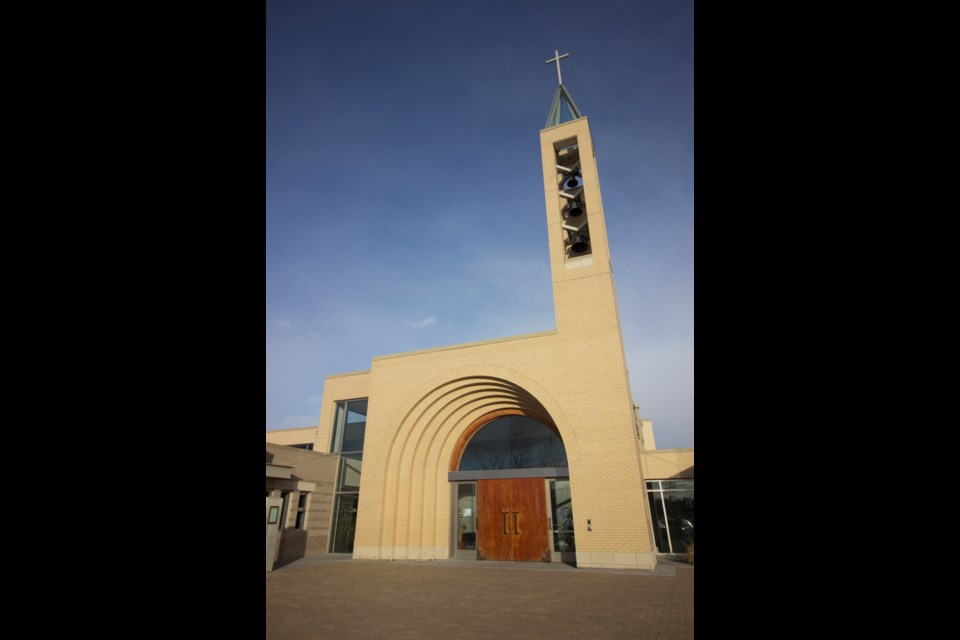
(512, 520)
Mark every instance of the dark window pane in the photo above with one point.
(680, 519)
(357, 411)
(283, 510)
(353, 436)
(301, 510)
(346, 523)
(355, 426)
(467, 516)
(562, 513)
(659, 524)
(513, 442)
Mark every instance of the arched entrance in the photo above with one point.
(511, 490)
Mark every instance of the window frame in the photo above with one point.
(340, 417)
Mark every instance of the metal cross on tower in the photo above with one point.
(557, 60)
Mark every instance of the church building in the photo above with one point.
(524, 448)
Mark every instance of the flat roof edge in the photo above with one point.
(350, 373)
(465, 345)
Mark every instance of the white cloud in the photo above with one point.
(426, 322)
(281, 324)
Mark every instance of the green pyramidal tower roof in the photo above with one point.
(563, 108)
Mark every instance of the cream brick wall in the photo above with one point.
(667, 463)
(421, 402)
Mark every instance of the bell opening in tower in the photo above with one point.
(575, 228)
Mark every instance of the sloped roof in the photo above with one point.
(563, 109)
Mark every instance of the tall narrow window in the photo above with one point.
(467, 515)
(301, 510)
(349, 429)
(283, 513)
(561, 507)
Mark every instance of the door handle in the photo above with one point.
(505, 523)
(516, 523)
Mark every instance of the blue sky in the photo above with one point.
(404, 199)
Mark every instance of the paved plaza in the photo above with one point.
(337, 598)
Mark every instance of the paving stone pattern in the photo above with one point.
(405, 600)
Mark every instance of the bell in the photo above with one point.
(570, 182)
(579, 244)
(574, 209)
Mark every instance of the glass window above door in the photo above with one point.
(514, 442)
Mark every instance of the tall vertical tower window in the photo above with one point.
(573, 206)
(349, 428)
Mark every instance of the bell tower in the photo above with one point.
(583, 292)
(592, 365)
